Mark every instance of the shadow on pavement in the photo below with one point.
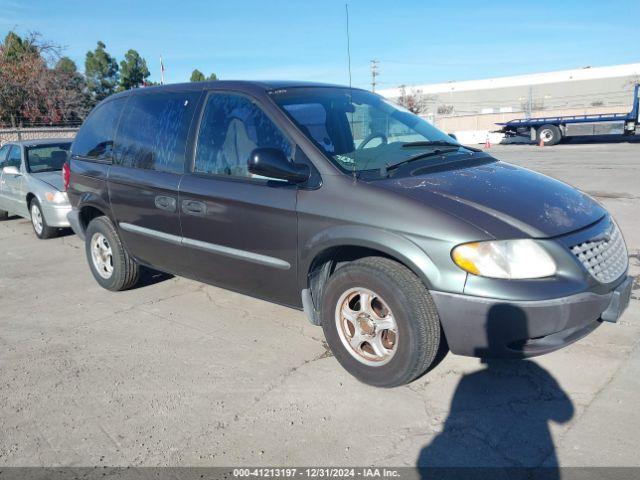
(499, 418)
(150, 277)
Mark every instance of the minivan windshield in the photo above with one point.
(47, 158)
(360, 131)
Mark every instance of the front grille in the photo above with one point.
(604, 257)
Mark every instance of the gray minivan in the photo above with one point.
(393, 237)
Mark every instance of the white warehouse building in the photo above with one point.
(471, 108)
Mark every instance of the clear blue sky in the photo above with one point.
(416, 41)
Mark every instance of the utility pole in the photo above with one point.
(374, 74)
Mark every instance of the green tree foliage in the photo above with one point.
(133, 71)
(16, 49)
(197, 76)
(101, 72)
(66, 65)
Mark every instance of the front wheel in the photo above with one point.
(549, 135)
(111, 265)
(380, 322)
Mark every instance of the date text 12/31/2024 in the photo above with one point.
(317, 472)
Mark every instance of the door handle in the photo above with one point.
(192, 207)
(165, 203)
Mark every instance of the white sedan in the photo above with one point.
(31, 183)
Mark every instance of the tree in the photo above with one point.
(133, 71)
(31, 91)
(70, 90)
(66, 65)
(412, 101)
(101, 72)
(197, 76)
(22, 71)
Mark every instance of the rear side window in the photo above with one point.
(153, 131)
(94, 141)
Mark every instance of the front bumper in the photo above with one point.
(56, 215)
(488, 327)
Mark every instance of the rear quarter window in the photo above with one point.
(153, 131)
(95, 139)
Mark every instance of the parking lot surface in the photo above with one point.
(180, 373)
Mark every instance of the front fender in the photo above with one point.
(391, 244)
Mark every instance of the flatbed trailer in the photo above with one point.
(551, 130)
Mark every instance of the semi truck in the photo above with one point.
(552, 130)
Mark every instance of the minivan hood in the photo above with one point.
(494, 193)
(52, 178)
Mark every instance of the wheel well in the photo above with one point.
(329, 260)
(87, 214)
(30, 196)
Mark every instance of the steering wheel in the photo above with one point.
(371, 136)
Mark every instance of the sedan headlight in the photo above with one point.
(512, 259)
(56, 197)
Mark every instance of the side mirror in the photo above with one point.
(11, 170)
(453, 135)
(273, 163)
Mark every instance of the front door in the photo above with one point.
(4, 151)
(240, 230)
(12, 184)
(143, 180)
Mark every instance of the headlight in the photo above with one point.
(56, 197)
(512, 259)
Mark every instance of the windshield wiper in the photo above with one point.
(384, 170)
(438, 143)
(430, 143)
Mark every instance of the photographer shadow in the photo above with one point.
(499, 416)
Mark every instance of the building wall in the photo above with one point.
(480, 104)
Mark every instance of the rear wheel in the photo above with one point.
(43, 231)
(549, 135)
(380, 322)
(4, 214)
(111, 265)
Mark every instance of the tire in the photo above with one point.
(549, 134)
(113, 268)
(396, 294)
(4, 214)
(39, 223)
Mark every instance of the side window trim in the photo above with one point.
(200, 116)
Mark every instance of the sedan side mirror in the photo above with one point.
(453, 135)
(273, 163)
(11, 170)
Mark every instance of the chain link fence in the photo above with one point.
(33, 133)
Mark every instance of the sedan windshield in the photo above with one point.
(47, 158)
(359, 131)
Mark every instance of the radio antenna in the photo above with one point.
(346, 9)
